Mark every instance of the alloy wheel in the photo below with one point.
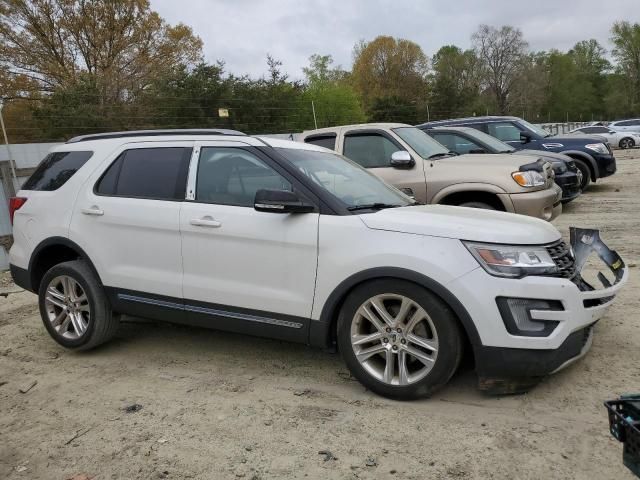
(394, 339)
(67, 307)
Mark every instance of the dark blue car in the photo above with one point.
(592, 154)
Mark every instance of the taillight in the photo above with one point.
(14, 204)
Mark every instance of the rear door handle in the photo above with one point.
(94, 210)
(205, 222)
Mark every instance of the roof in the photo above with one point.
(154, 133)
(467, 120)
(115, 139)
(456, 128)
(356, 125)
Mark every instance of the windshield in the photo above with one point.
(344, 179)
(540, 131)
(423, 144)
(494, 144)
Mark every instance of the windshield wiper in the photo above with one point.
(441, 154)
(372, 206)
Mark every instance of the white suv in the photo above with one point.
(293, 241)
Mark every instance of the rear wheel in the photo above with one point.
(398, 339)
(627, 142)
(74, 308)
(586, 173)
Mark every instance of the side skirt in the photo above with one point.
(209, 315)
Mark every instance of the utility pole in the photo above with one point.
(313, 109)
(14, 180)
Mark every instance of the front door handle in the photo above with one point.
(94, 210)
(206, 221)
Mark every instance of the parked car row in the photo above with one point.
(292, 240)
(591, 154)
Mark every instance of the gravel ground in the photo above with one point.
(218, 405)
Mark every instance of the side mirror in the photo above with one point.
(478, 150)
(525, 137)
(280, 201)
(402, 159)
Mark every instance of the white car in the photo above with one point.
(617, 139)
(629, 125)
(293, 241)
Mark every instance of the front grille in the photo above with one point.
(561, 255)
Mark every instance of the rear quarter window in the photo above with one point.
(55, 170)
(326, 141)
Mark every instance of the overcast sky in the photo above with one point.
(242, 32)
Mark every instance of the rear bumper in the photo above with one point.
(20, 277)
(544, 204)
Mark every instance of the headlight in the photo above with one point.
(514, 261)
(530, 178)
(559, 167)
(597, 147)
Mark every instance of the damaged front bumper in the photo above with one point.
(513, 364)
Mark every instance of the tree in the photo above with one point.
(389, 67)
(334, 100)
(501, 52)
(119, 46)
(454, 87)
(592, 66)
(626, 40)
(320, 71)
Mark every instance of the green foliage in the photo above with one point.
(454, 83)
(129, 69)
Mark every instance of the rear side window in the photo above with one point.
(326, 141)
(457, 143)
(505, 131)
(153, 173)
(370, 150)
(55, 170)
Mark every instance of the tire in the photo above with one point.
(436, 326)
(626, 143)
(91, 321)
(586, 173)
(486, 206)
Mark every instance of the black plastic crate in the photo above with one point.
(624, 425)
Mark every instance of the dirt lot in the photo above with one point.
(217, 405)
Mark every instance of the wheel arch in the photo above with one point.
(52, 251)
(322, 332)
(468, 192)
(585, 157)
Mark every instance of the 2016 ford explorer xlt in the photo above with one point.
(293, 241)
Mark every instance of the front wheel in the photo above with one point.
(74, 308)
(398, 339)
(626, 143)
(586, 173)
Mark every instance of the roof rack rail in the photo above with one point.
(154, 133)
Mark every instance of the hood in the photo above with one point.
(506, 160)
(580, 138)
(549, 156)
(464, 224)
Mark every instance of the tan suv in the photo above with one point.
(426, 170)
